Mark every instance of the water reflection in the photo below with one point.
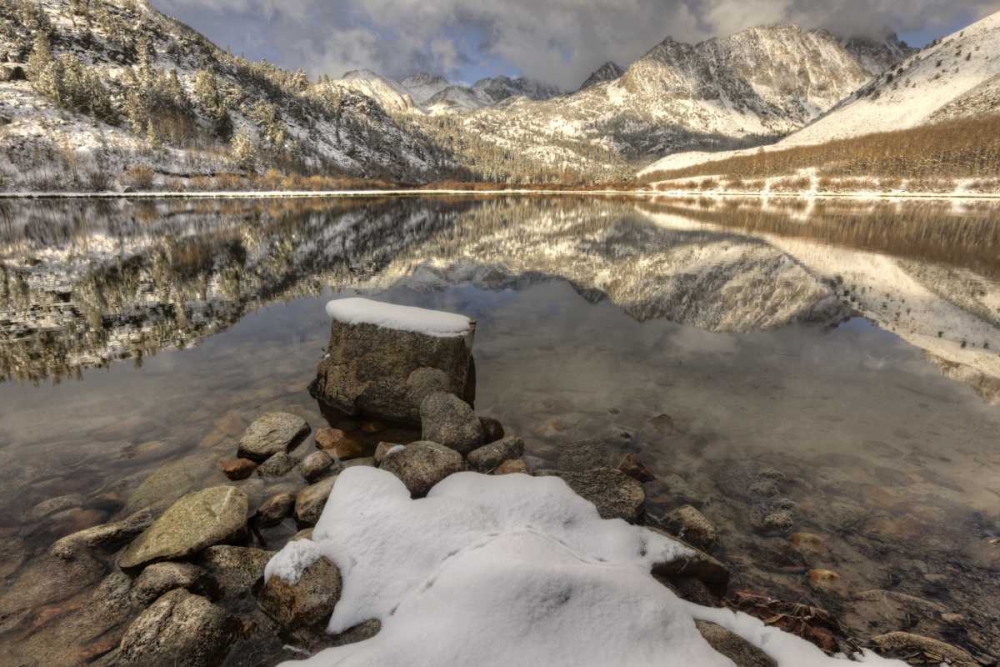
(84, 284)
(723, 344)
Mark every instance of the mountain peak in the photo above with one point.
(609, 71)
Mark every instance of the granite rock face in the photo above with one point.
(371, 369)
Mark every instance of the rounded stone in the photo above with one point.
(278, 465)
(692, 526)
(275, 509)
(513, 466)
(315, 466)
(160, 578)
(272, 433)
(178, 629)
(310, 501)
(488, 457)
(306, 604)
(237, 469)
(196, 521)
(450, 421)
(339, 444)
(421, 465)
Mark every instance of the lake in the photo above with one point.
(820, 378)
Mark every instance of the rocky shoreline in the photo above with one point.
(186, 580)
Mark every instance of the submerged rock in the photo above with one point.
(237, 469)
(160, 578)
(492, 429)
(513, 466)
(692, 526)
(368, 366)
(53, 506)
(170, 482)
(450, 421)
(636, 469)
(339, 444)
(488, 457)
(178, 629)
(909, 646)
(272, 433)
(315, 466)
(109, 536)
(615, 494)
(310, 501)
(734, 647)
(421, 465)
(275, 509)
(193, 523)
(278, 465)
(303, 606)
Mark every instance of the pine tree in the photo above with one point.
(244, 150)
(41, 56)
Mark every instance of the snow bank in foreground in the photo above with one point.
(402, 318)
(506, 571)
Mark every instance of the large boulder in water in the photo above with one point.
(381, 359)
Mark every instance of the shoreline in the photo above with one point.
(410, 192)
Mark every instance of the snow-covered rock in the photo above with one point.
(376, 347)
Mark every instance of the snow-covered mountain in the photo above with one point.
(955, 77)
(500, 88)
(121, 85)
(124, 85)
(742, 90)
(423, 86)
(609, 71)
(391, 95)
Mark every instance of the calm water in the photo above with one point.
(849, 355)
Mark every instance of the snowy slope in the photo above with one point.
(424, 86)
(742, 90)
(959, 76)
(919, 90)
(41, 144)
(391, 95)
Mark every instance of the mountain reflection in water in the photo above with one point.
(83, 284)
(719, 341)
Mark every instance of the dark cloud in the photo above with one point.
(557, 41)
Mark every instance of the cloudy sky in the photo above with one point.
(557, 41)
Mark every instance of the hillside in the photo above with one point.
(115, 85)
(952, 79)
(113, 94)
